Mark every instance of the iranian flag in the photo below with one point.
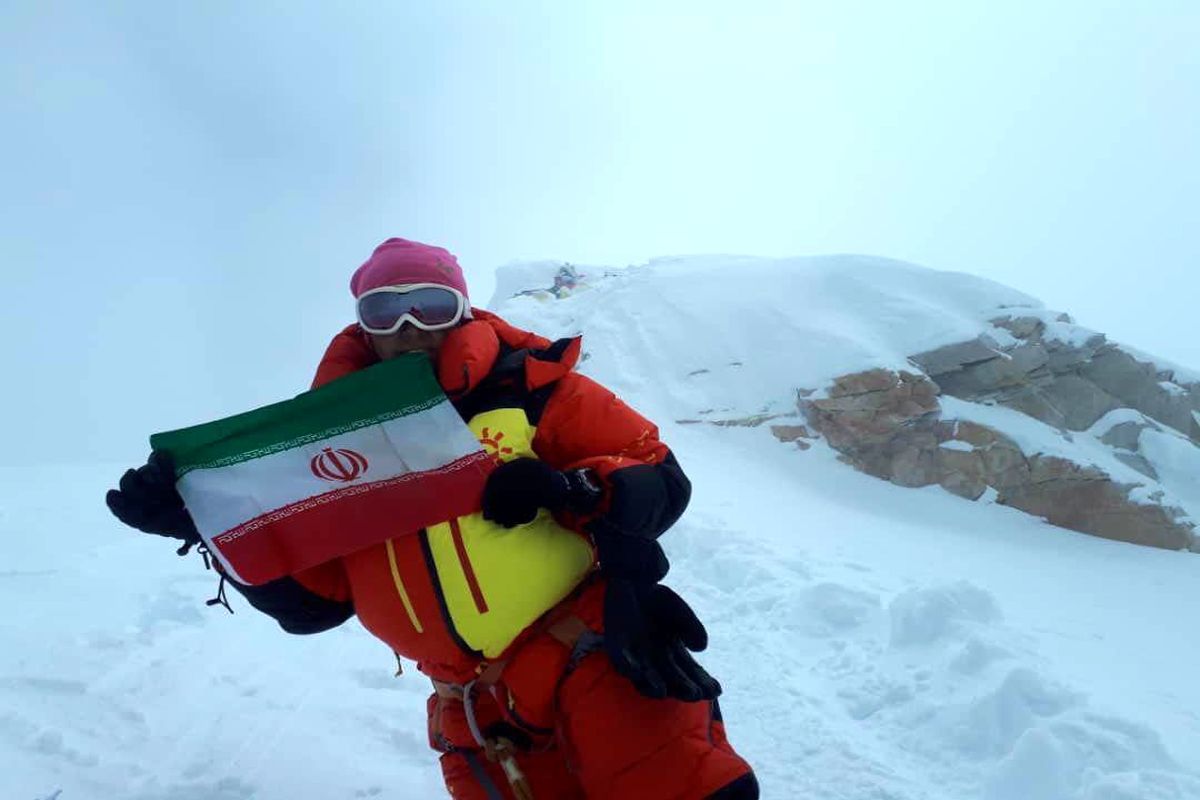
(377, 454)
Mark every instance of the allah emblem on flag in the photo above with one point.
(341, 465)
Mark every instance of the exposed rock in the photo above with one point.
(1125, 439)
(1136, 385)
(792, 433)
(914, 466)
(1137, 461)
(1127, 435)
(1030, 400)
(1044, 469)
(1005, 466)
(962, 472)
(1030, 359)
(952, 358)
(752, 421)
(1100, 507)
(974, 434)
(1021, 327)
(868, 408)
(984, 378)
(1065, 357)
(889, 425)
(1080, 401)
(1066, 385)
(875, 380)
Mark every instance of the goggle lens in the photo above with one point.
(429, 305)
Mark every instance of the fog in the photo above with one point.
(189, 186)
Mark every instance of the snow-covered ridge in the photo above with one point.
(737, 340)
(738, 333)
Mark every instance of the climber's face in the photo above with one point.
(409, 339)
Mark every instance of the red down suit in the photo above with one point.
(467, 597)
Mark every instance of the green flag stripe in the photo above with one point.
(308, 438)
(367, 397)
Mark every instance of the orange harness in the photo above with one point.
(568, 630)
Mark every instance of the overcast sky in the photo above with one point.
(187, 186)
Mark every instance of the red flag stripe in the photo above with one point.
(320, 528)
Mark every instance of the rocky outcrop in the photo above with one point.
(865, 410)
(1125, 439)
(1139, 385)
(1119, 458)
(1068, 383)
(891, 425)
(797, 434)
(1085, 499)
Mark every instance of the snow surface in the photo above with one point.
(1176, 460)
(875, 642)
(1119, 416)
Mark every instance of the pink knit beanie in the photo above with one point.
(397, 262)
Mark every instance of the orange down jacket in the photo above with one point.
(457, 595)
(460, 595)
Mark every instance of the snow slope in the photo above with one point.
(874, 642)
(725, 338)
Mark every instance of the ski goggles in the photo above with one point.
(428, 306)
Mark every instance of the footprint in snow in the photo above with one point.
(377, 679)
(169, 607)
(223, 789)
(925, 616)
(828, 609)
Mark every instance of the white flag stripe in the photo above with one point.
(223, 498)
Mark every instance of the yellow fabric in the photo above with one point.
(403, 592)
(504, 433)
(521, 572)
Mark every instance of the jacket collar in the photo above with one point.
(467, 356)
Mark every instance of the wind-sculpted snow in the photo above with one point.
(956, 646)
(933, 649)
(882, 359)
(874, 642)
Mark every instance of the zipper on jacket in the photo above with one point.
(464, 559)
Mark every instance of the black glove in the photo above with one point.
(517, 489)
(148, 501)
(648, 631)
(630, 557)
